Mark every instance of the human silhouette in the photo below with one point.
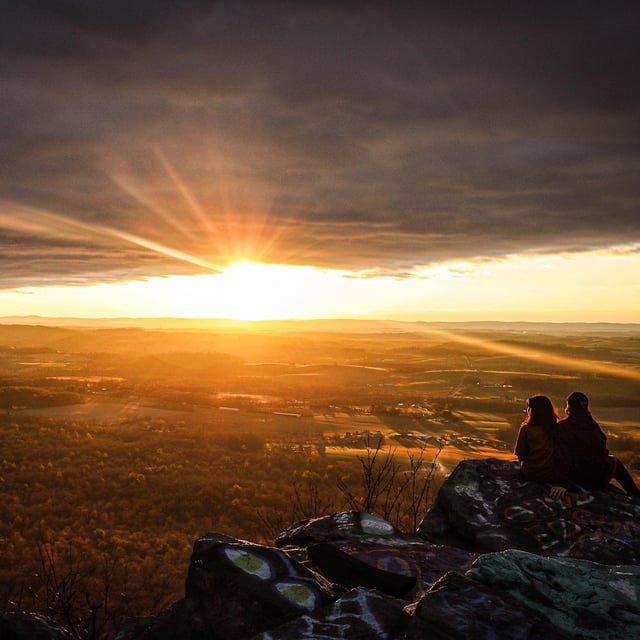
(536, 445)
(581, 441)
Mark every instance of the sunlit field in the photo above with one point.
(322, 380)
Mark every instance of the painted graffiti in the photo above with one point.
(297, 593)
(249, 562)
(354, 611)
(279, 573)
(345, 520)
(568, 521)
(373, 525)
(362, 523)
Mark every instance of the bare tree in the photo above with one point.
(420, 489)
(308, 501)
(61, 589)
(274, 522)
(399, 495)
(79, 601)
(379, 473)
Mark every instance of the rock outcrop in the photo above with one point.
(236, 589)
(515, 595)
(485, 506)
(360, 549)
(494, 557)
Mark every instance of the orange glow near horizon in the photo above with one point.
(592, 286)
(252, 291)
(603, 288)
(229, 248)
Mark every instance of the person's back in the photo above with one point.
(584, 443)
(535, 450)
(535, 446)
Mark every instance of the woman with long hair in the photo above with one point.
(536, 444)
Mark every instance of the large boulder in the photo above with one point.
(459, 608)
(234, 590)
(515, 595)
(358, 549)
(347, 569)
(405, 569)
(338, 526)
(485, 506)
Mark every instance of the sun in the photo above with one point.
(245, 290)
(260, 291)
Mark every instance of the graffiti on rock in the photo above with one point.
(297, 593)
(353, 611)
(249, 562)
(571, 520)
(372, 525)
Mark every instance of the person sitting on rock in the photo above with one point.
(536, 446)
(584, 444)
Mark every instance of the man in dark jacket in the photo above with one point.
(583, 445)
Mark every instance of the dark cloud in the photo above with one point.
(373, 136)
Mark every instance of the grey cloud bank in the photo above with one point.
(360, 137)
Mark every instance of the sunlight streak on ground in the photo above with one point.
(537, 355)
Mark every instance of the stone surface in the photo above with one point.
(515, 595)
(404, 568)
(349, 571)
(485, 506)
(458, 607)
(28, 626)
(359, 614)
(234, 590)
(354, 548)
(510, 595)
(582, 598)
(337, 526)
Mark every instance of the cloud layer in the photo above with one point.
(375, 137)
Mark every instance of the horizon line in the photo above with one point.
(156, 319)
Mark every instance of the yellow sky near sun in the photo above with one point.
(589, 287)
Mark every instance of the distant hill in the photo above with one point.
(337, 324)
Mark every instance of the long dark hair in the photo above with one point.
(541, 413)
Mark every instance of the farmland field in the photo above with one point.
(464, 384)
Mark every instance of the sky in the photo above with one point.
(452, 161)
